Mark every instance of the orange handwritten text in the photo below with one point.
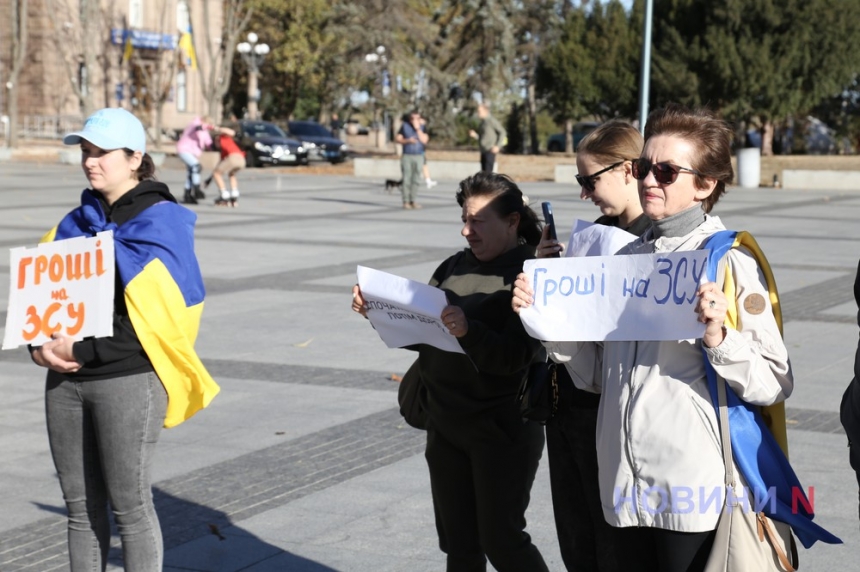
(57, 267)
(59, 294)
(53, 320)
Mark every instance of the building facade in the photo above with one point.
(82, 55)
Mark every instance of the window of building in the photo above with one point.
(183, 16)
(135, 13)
(181, 91)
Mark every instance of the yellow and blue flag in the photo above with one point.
(186, 44)
(164, 292)
(128, 49)
(758, 435)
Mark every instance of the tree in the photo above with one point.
(537, 24)
(296, 31)
(481, 44)
(592, 69)
(564, 75)
(157, 74)
(18, 24)
(614, 39)
(215, 64)
(76, 33)
(756, 58)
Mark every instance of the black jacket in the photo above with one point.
(849, 412)
(120, 354)
(485, 380)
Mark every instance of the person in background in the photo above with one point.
(194, 140)
(656, 422)
(481, 454)
(587, 542)
(106, 399)
(849, 410)
(336, 126)
(413, 138)
(426, 169)
(491, 137)
(232, 161)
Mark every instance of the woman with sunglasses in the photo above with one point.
(658, 438)
(604, 159)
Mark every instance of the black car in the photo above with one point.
(265, 143)
(318, 141)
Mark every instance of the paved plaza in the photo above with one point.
(303, 463)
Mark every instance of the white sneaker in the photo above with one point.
(431, 183)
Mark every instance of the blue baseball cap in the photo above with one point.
(111, 128)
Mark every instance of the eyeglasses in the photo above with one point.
(587, 182)
(664, 173)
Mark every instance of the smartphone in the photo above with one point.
(550, 222)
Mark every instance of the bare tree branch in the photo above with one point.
(216, 68)
(19, 52)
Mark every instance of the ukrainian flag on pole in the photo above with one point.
(186, 44)
(128, 48)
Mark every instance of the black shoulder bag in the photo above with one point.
(538, 394)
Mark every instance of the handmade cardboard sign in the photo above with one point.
(613, 298)
(405, 312)
(65, 286)
(589, 239)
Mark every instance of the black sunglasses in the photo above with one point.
(587, 182)
(664, 173)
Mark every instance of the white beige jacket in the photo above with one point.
(658, 440)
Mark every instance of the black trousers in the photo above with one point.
(488, 161)
(481, 474)
(586, 541)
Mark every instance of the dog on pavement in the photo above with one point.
(391, 184)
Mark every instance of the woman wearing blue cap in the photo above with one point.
(107, 398)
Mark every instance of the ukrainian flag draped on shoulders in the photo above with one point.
(758, 435)
(163, 290)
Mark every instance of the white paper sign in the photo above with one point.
(65, 286)
(613, 298)
(405, 312)
(589, 239)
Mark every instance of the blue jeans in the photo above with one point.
(102, 436)
(193, 167)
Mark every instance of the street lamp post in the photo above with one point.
(252, 54)
(378, 58)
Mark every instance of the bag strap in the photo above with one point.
(724, 432)
(764, 527)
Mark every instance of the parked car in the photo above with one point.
(353, 127)
(265, 143)
(319, 141)
(555, 143)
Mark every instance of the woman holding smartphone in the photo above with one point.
(657, 425)
(604, 159)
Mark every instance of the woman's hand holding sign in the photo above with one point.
(523, 294)
(57, 355)
(358, 304)
(712, 309)
(455, 320)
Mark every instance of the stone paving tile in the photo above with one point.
(221, 494)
